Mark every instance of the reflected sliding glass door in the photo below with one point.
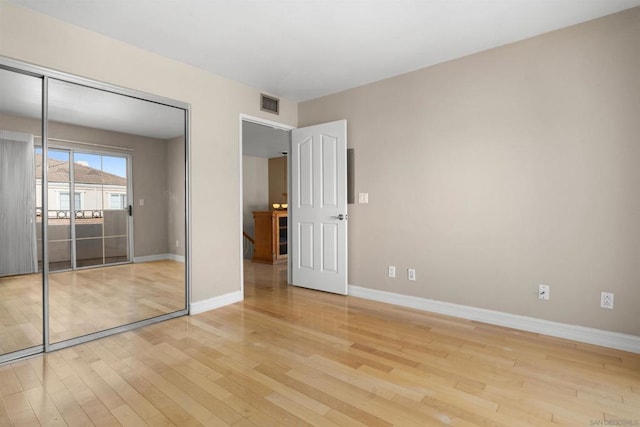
(101, 210)
(60, 242)
(88, 211)
(115, 200)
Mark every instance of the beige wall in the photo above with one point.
(502, 170)
(255, 190)
(176, 195)
(277, 180)
(216, 104)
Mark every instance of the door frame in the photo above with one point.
(270, 123)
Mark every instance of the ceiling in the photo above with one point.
(301, 50)
(82, 106)
(263, 141)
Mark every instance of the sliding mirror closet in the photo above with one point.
(93, 209)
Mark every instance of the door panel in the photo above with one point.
(318, 207)
(88, 230)
(304, 161)
(330, 248)
(89, 252)
(115, 223)
(115, 199)
(99, 208)
(116, 249)
(100, 132)
(59, 213)
(305, 246)
(21, 254)
(329, 173)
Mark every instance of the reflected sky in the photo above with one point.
(113, 165)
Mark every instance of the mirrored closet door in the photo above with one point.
(21, 280)
(99, 174)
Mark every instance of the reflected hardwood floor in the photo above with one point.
(290, 356)
(86, 301)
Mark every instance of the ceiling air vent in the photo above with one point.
(269, 104)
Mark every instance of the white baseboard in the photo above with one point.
(158, 257)
(531, 324)
(176, 258)
(215, 302)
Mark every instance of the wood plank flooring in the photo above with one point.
(86, 301)
(293, 357)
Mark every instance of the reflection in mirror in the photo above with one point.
(20, 210)
(120, 195)
(59, 221)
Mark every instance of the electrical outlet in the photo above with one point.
(392, 271)
(411, 274)
(177, 243)
(606, 300)
(543, 292)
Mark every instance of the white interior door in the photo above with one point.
(318, 207)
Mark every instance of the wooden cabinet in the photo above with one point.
(270, 237)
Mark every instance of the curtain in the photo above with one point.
(18, 245)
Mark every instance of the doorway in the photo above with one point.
(264, 147)
(314, 226)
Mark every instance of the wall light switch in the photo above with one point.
(363, 198)
(141, 202)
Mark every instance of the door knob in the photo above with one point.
(340, 217)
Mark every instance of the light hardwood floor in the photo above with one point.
(290, 356)
(86, 301)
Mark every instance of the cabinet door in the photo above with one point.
(263, 247)
(281, 237)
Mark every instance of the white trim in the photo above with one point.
(158, 257)
(176, 258)
(261, 121)
(555, 329)
(275, 125)
(241, 193)
(216, 302)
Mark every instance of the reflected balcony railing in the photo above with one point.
(66, 214)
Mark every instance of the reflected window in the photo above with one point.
(65, 204)
(118, 201)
